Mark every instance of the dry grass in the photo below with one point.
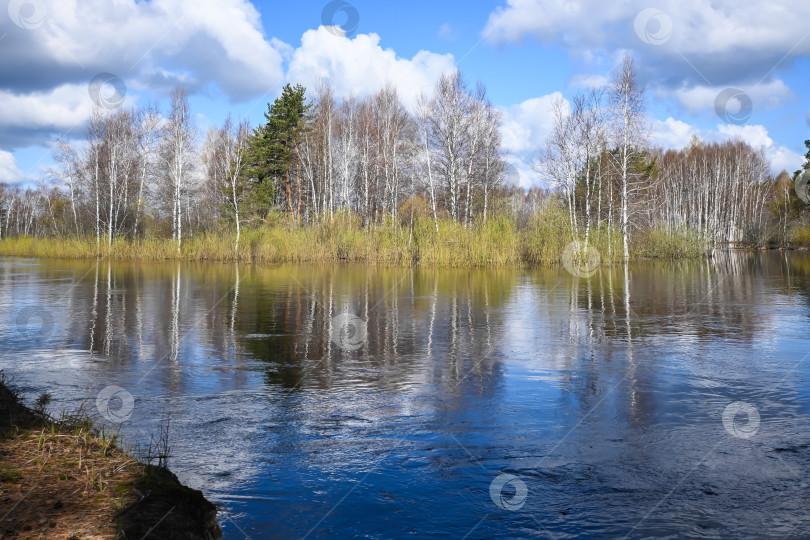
(498, 244)
(65, 480)
(58, 484)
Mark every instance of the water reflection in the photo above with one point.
(605, 396)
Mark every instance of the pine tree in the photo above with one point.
(272, 149)
(806, 165)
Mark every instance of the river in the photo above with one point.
(655, 400)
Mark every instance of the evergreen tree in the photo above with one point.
(272, 148)
(806, 165)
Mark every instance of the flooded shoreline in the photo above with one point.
(319, 401)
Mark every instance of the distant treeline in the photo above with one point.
(142, 176)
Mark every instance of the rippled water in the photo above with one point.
(346, 401)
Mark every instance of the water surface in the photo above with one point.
(597, 404)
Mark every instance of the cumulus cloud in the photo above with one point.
(781, 157)
(9, 173)
(30, 118)
(204, 42)
(682, 42)
(525, 129)
(701, 98)
(675, 134)
(672, 133)
(152, 46)
(360, 66)
(527, 125)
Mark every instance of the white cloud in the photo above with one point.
(701, 98)
(9, 173)
(724, 41)
(60, 109)
(447, 33)
(697, 26)
(152, 46)
(527, 124)
(208, 41)
(360, 66)
(676, 134)
(523, 134)
(780, 156)
(672, 133)
(590, 81)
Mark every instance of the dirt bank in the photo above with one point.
(65, 480)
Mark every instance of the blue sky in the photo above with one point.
(234, 55)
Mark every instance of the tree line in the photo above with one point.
(140, 173)
(599, 158)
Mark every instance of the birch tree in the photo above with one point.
(629, 133)
(178, 145)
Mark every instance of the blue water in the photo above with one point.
(464, 404)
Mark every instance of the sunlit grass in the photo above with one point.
(658, 243)
(499, 243)
(801, 236)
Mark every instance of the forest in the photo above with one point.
(367, 180)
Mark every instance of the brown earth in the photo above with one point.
(61, 480)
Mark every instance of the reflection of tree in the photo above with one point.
(445, 328)
(426, 325)
(632, 320)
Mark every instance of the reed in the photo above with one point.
(498, 243)
(800, 237)
(661, 244)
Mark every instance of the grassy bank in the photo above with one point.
(64, 479)
(500, 243)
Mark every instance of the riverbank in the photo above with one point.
(64, 479)
(499, 243)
